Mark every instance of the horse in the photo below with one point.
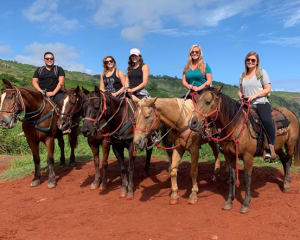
(39, 125)
(118, 117)
(175, 114)
(237, 138)
(69, 118)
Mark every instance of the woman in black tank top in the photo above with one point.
(112, 79)
(137, 74)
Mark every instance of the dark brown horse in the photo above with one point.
(39, 125)
(237, 139)
(118, 116)
(175, 114)
(69, 118)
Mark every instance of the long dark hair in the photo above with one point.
(131, 64)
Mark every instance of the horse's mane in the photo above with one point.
(188, 106)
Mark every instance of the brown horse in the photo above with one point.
(39, 125)
(237, 133)
(175, 114)
(69, 118)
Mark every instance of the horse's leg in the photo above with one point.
(104, 164)
(34, 146)
(230, 159)
(73, 141)
(217, 160)
(176, 158)
(248, 166)
(94, 145)
(50, 149)
(131, 171)
(194, 174)
(119, 153)
(148, 159)
(61, 144)
(286, 160)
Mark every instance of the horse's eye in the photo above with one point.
(207, 102)
(9, 97)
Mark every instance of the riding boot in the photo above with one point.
(21, 134)
(272, 151)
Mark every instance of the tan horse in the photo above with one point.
(175, 114)
(213, 106)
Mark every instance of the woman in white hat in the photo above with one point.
(137, 74)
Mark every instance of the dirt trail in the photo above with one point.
(73, 211)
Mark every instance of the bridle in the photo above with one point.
(101, 113)
(78, 107)
(15, 111)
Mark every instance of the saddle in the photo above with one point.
(280, 122)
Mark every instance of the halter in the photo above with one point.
(18, 97)
(103, 109)
(70, 115)
(153, 126)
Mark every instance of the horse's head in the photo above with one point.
(147, 121)
(10, 105)
(207, 106)
(71, 108)
(93, 106)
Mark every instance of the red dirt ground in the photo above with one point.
(73, 211)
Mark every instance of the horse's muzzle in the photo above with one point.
(139, 143)
(194, 124)
(8, 122)
(88, 129)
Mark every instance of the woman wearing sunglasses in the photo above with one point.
(137, 75)
(112, 79)
(196, 74)
(255, 86)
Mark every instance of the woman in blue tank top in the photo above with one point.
(112, 79)
(137, 74)
(197, 74)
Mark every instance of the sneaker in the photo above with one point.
(21, 134)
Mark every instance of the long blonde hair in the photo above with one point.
(105, 66)
(201, 64)
(257, 71)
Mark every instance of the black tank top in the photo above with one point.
(136, 77)
(112, 83)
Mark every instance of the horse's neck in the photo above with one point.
(170, 112)
(32, 99)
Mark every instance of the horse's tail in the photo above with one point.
(297, 151)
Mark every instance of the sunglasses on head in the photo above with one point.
(49, 59)
(108, 61)
(195, 52)
(252, 60)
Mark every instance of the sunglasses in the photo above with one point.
(108, 61)
(252, 60)
(194, 52)
(49, 59)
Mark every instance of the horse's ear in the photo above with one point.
(219, 88)
(85, 91)
(77, 89)
(97, 90)
(7, 83)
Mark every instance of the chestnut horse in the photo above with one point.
(175, 114)
(39, 125)
(69, 118)
(236, 131)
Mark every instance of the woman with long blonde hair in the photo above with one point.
(197, 74)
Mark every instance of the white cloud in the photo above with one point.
(284, 41)
(4, 49)
(45, 11)
(140, 17)
(65, 56)
(293, 20)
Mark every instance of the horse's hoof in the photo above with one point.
(72, 164)
(35, 183)
(94, 186)
(173, 201)
(102, 188)
(286, 189)
(129, 197)
(51, 185)
(192, 201)
(245, 209)
(227, 206)
(123, 194)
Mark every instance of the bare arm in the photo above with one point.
(145, 70)
(240, 94)
(102, 83)
(185, 83)
(35, 84)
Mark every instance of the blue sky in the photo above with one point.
(81, 33)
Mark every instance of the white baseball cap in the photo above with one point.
(135, 51)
